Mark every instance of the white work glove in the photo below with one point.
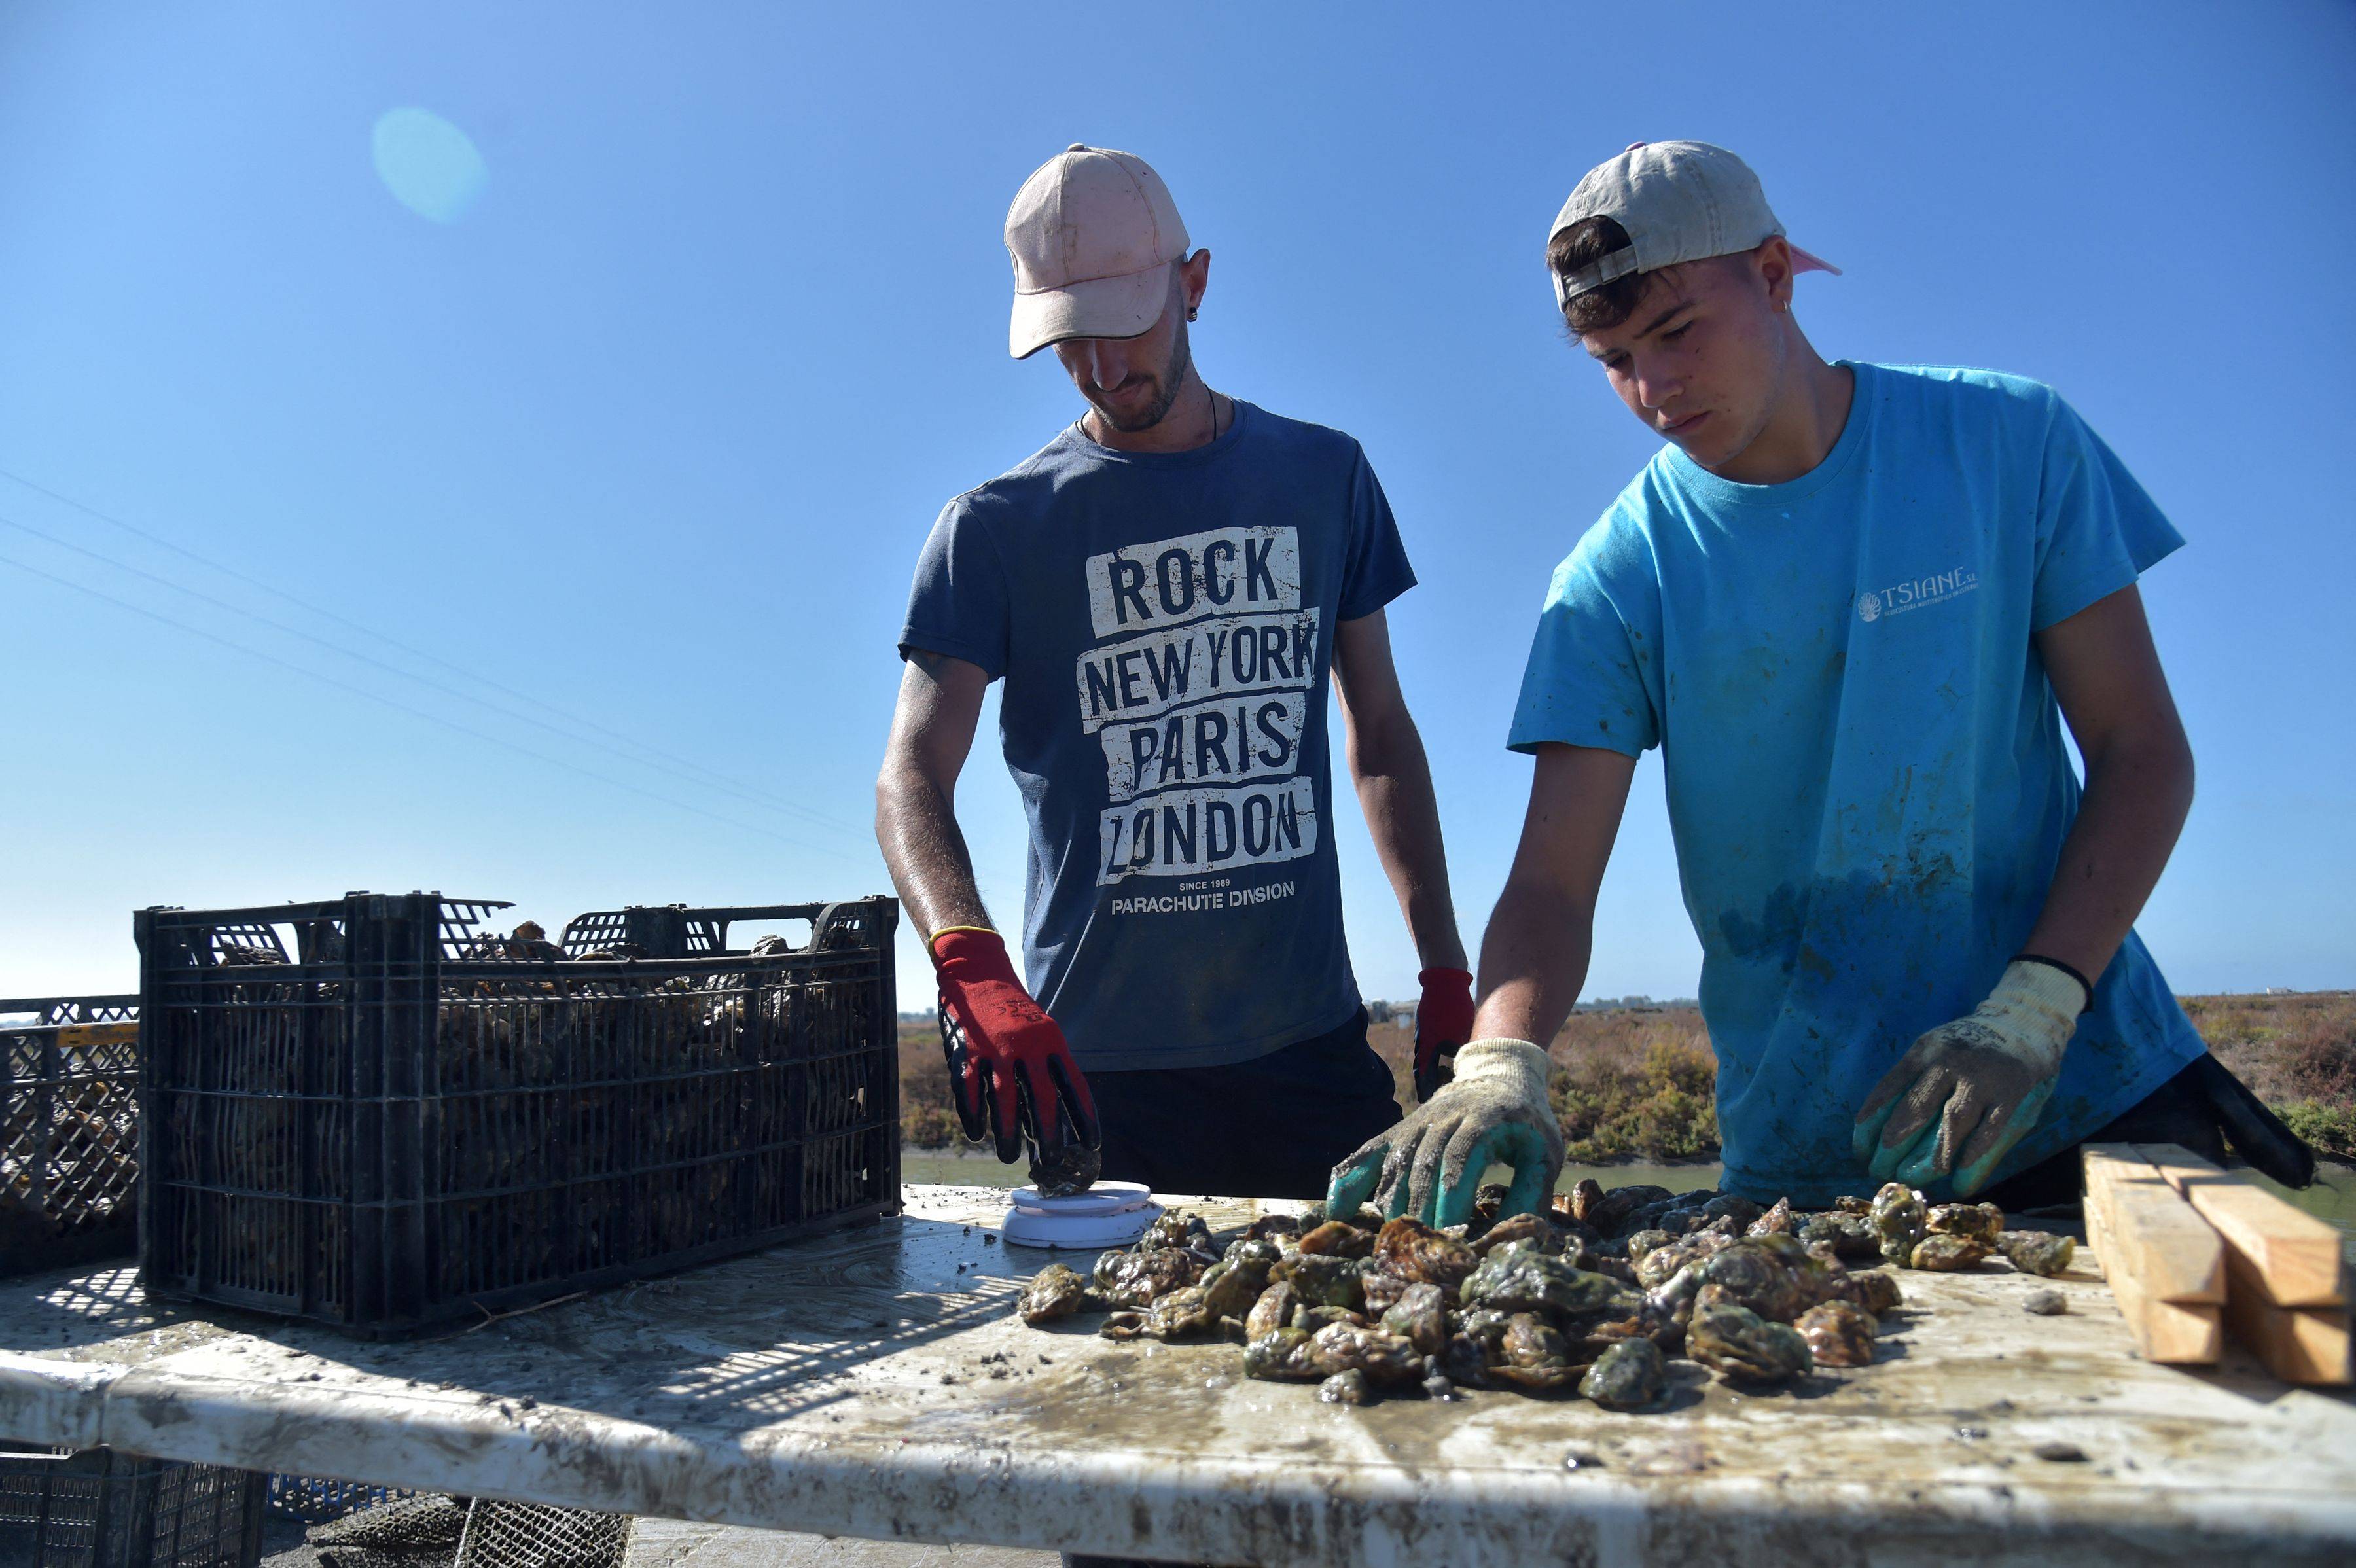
(1967, 1092)
(1430, 1165)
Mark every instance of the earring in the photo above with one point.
(1191, 313)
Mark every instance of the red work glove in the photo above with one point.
(1004, 1052)
(1442, 1022)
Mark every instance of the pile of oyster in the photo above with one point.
(1596, 1295)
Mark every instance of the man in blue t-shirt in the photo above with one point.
(1165, 589)
(1853, 604)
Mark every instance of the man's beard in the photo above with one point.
(1166, 385)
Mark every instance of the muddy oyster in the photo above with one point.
(1752, 1273)
(1536, 1228)
(1066, 1171)
(1056, 1292)
(1743, 1347)
(1898, 1216)
(1185, 1313)
(1323, 1280)
(1875, 1290)
(1385, 1359)
(1643, 1243)
(1629, 1375)
(1947, 1253)
(1777, 1219)
(1610, 1214)
(1337, 1239)
(1135, 1278)
(1416, 1252)
(1984, 1222)
(1839, 1333)
(1532, 1354)
(1660, 1265)
(1421, 1318)
(1520, 1278)
(2036, 1252)
(1284, 1356)
(1346, 1387)
(1272, 1311)
(1850, 1236)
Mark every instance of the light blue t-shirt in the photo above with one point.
(1866, 779)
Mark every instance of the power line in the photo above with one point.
(370, 660)
(413, 711)
(709, 778)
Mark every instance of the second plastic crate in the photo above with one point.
(69, 1131)
(410, 1124)
(99, 1508)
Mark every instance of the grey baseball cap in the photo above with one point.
(1680, 201)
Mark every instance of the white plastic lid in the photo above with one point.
(1110, 1214)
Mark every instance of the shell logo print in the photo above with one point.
(1915, 593)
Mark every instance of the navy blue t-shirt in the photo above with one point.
(1165, 626)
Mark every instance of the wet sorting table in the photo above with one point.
(875, 1383)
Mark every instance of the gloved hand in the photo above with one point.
(1008, 1061)
(1967, 1092)
(1444, 1022)
(1430, 1165)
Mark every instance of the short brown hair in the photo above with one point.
(1583, 244)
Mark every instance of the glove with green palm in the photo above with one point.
(1430, 1165)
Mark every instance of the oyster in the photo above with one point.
(1066, 1171)
(1269, 1225)
(1134, 1278)
(1421, 1318)
(1346, 1387)
(1271, 1312)
(1533, 1354)
(1898, 1214)
(1984, 1222)
(1230, 1289)
(1947, 1253)
(1629, 1375)
(1849, 1235)
(1185, 1313)
(1875, 1290)
(1646, 1241)
(1777, 1217)
(1520, 1278)
(1660, 1265)
(1323, 1279)
(1057, 1292)
(1610, 1213)
(1385, 1359)
(2036, 1251)
(1743, 1347)
(1252, 1258)
(1284, 1356)
(1462, 1362)
(1838, 1333)
(1338, 1238)
(1735, 1207)
(1416, 1252)
(1532, 1228)
(1857, 1205)
(1751, 1273)
(1382, 1287)
(1313, 1318)
(1581, 1199)
(1123, 1325)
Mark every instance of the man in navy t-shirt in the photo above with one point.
(1165, 589)
(1854, 605)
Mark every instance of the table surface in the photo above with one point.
(876, 1384)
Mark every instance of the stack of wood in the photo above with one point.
(2190, 1250)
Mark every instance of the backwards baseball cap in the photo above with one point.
(1680, 201)
(1092, 232)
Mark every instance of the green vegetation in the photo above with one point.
(1636, 1083)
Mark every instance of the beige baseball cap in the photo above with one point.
(1680, 201)
(1092, 232)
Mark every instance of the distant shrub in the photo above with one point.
(2330, 1130)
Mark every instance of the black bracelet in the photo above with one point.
(2083, 984)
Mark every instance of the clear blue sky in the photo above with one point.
(648, 420)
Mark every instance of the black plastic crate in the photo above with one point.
(69, 1131)
(315, 1500)
(418, 1121)
(99, 1508)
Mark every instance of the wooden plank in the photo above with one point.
(2297, 1344)
(2176, 1332)
(2294, 1258)
(2154, 1235)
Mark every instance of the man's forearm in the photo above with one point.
(1533, 962)
(1394, 781)
(2136, 801)
(916, 825)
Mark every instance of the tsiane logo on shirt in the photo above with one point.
(1899, 597)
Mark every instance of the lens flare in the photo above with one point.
(429, 166)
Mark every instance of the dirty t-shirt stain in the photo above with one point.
(1164, 624)
(1866, 779)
